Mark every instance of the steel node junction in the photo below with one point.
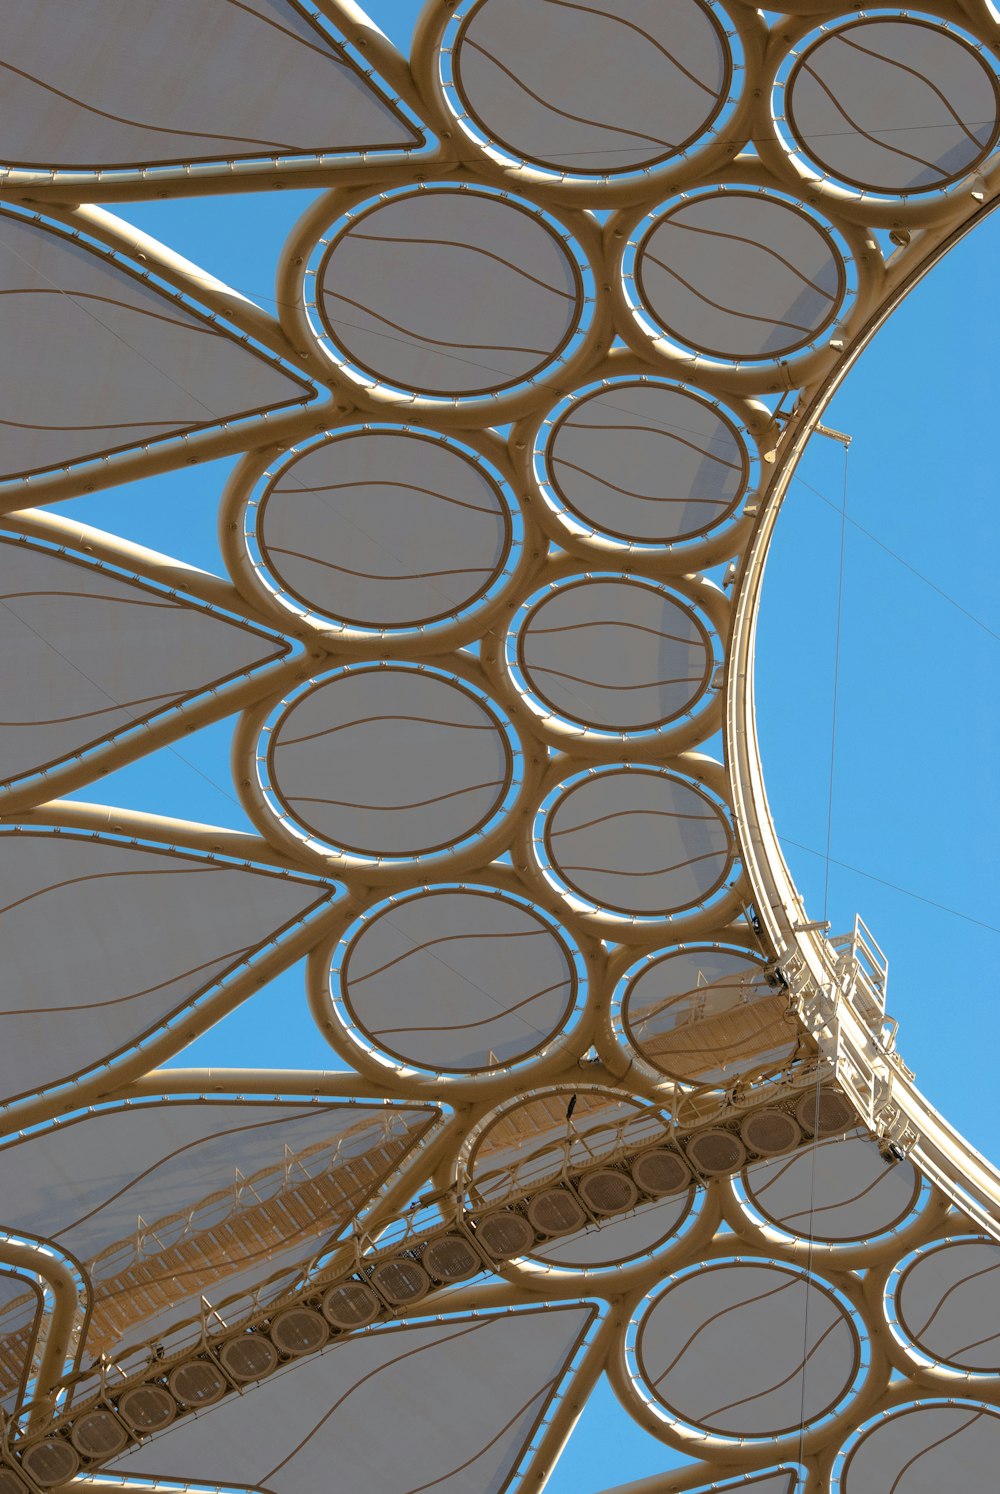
(575, 288)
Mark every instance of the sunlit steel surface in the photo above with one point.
(576, 288)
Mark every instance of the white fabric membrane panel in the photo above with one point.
(724, 1349)
(638, 842)
(166, 1158)
(390, 761)
(706, 1015)
(104, 941)
(106, 361)
(20, 1314)
(158, 1201)
(448, 1405)
(836, 1191)
(893, 104)
(177, 1326)
(91, 654)
(613, 653)
(181, 82)
(948, 1304)
(401, 291)
(923, 1449)
(457, 978)
(601, 88)
(645, 461)
(739, 274)
(383, 529)
(435, 298)
(615, 1241)
(780, 1481)
(534, 1140)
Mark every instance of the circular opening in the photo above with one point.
(738, 275)
(719, 1349)
(456, 978)
(606, 654)
(422, 761)
(414, 259)
(705, 1014)
(947, 1306)
(863, 1198)
(643, 463)
(856, 88)
(881, 1452)
(526, 1146)
(662, 86)
(382, 529)
(634, 842)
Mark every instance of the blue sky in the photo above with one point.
(915, 802)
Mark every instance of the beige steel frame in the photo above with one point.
(825, 992)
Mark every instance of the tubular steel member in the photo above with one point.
(841, 1019)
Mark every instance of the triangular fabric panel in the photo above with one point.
(773, 1481)
(194, 80)
(90, 654)
(103, 941)
(100, 360)
(450, 1405)
(168, 1202)
(96, 1484)
(20, 1311)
